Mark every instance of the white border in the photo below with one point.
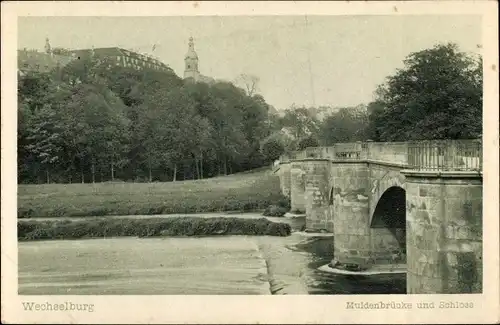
(249, 309)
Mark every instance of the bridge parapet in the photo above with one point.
(394, 152)
(438, 155)
(446, 155)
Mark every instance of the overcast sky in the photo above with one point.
(349, 55)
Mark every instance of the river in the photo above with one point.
(203, 265)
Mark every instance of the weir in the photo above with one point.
(417, 204)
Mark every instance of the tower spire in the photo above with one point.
(191, 62)
(47, 46)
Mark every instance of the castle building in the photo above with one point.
(32, 60)
(122, 57)
(29, 60)
(191, 71)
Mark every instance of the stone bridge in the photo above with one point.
(418, 203)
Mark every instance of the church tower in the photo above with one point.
(48, 49)
(191, 62)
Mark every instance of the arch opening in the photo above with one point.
(388, 225)
(390, 211)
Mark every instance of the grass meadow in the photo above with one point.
(250, 191)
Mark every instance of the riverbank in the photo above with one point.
(28, 230)
(242, 192)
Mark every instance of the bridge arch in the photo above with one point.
(390, 178)
(388, 226)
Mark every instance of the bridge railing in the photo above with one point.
(395, 152)
(446, 155)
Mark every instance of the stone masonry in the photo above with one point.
(353, 190)
(317, 174)
(444, 233)
(298, 188)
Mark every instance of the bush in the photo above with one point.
(275, 211)
(174, 226)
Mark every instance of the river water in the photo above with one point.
(203, 265)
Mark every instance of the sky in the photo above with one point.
(330, 60)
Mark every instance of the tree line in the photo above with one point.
(437, 94)
(93, 121)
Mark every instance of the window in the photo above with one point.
(189, 66)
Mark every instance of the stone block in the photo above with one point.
(456, 192)
(430, 285)
(413, 283)
(476, 192)
(428, 190)
(412, 189)
(429, 270)
(423, 216)
(359, 242)
(451, 258)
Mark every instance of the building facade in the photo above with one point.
(32, 60)
(121, 57)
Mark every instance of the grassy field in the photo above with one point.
(239, 192)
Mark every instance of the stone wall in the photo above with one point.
(317, 174)
(394, 152)
(297, 187)
(350, 209)
(444, 232)
(385, 243)
(284, 175)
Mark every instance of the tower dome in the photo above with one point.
(191, 53)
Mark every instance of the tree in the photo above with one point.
(272, 149)
(300, 122)
(307, 142)
(437, 95)
(348, 124)
(61, 51)
(45, 138)
(248, 82)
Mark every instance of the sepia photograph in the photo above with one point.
(294, 154)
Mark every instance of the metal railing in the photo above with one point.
(452, 155)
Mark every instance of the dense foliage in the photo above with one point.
(174, 226)
(438, 95)
(93, 121)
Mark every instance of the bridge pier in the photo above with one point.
(318, 216)
(444, 232)
(297, 188)
(284, 175)
(351, 213)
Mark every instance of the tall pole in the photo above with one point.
(309, 64)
